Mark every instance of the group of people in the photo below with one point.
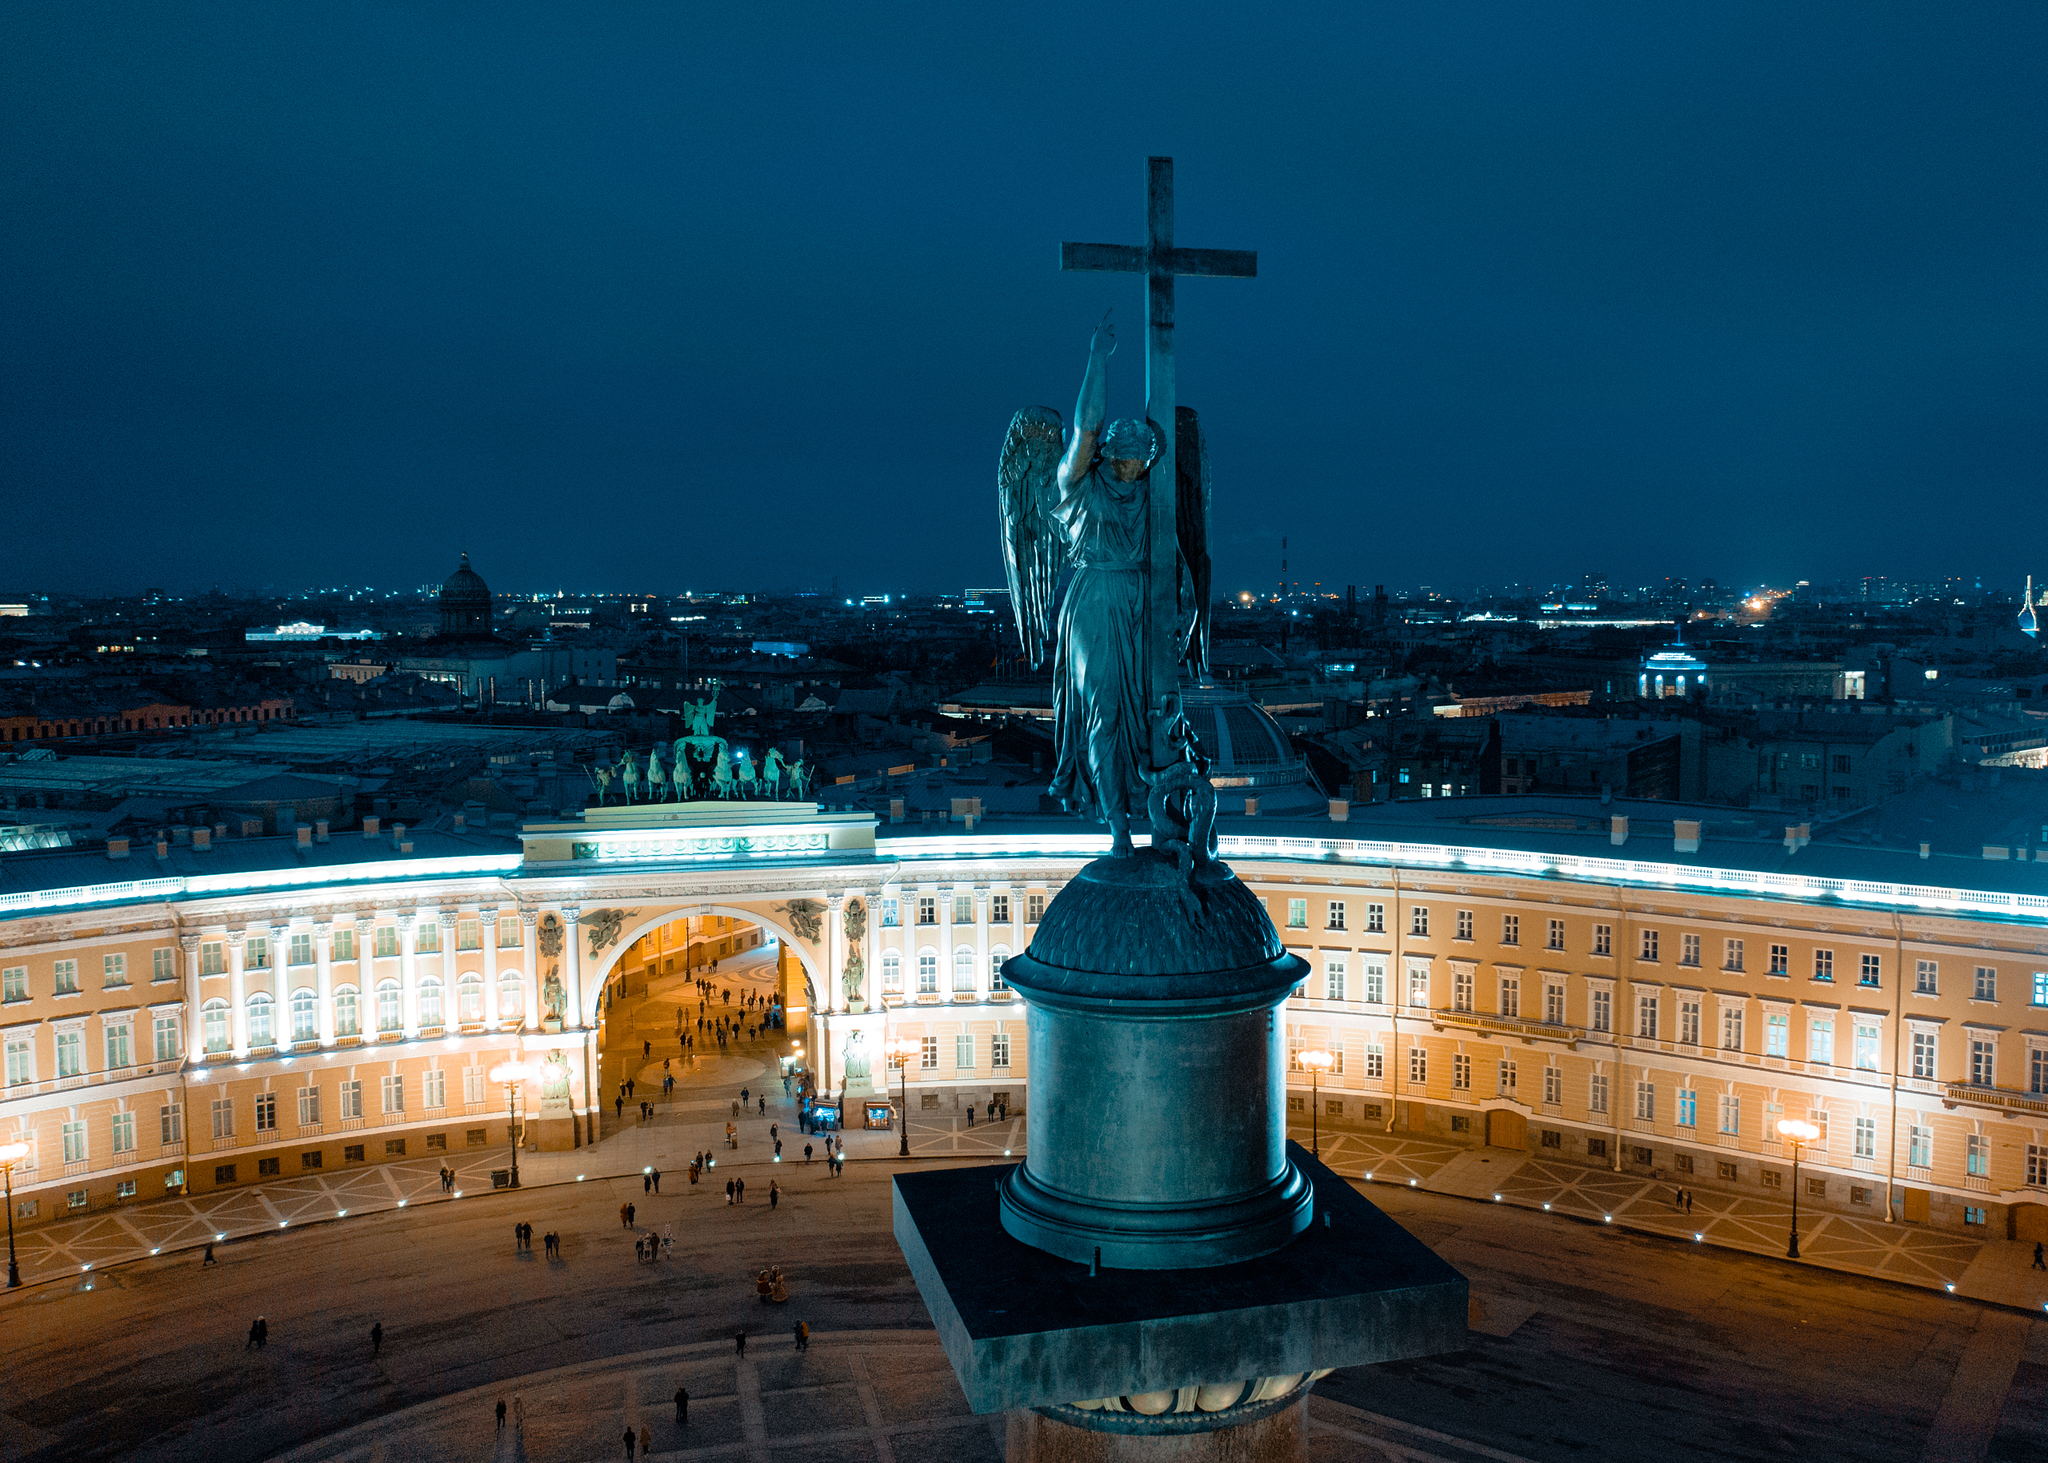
(522, 1240)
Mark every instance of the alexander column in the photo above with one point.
(1165, 1275)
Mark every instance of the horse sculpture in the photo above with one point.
(750, 781)
(657, 777)
(771, 773)
(631, 772)
(685, 784)
(721, 778)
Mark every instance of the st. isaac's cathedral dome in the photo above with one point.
(465, 602)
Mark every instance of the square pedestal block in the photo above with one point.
(1024, 1329)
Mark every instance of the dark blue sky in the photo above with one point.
(672, 296)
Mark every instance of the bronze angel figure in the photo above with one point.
(1085, 505)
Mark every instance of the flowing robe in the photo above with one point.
(1098, 671)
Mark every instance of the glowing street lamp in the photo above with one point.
(11, 1154)
(1800, 1132)
(900, 1052)
(514, 1076)
(1317, 1062)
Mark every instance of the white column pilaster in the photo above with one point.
(408, 973)
(981, 943)
(195, 1036)
(945, 942)
(529, 978)
(572, 981)
(323, 977)
(238, 995)
(835, 958)
(488, 933)
(451, 1017)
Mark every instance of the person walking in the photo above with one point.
(646, 1440)
(970, 1114)
(1688, 1201)
(647, 1182)
(774, 1193)
(775, 1130)
(631, 1440)
(376, 1338)
(619, 1105)
(740, 1343)
(255, 1332)
(207, 1258)
(2038, 1262)
(728, 1191)
(625, 1216)
(739, 1191)
(657, 1181)
(682, 1406)
(807, 1153)
(803, 1335)
(743, 1097)
(501, 1414)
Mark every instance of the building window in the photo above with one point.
(386, 946)
(1553, 1086)
(1688, 949)
(1596, 1095)
(999, 909)
(309, 1107)
(1923, 1055)
(67, 977)
(1688, 1107)
(223, 1173)
(1650, 942)
(1646, 1102)
(344, 943)
(1336, 915)
(927, 972)
(1977, 1156)
(1781, 960)
(213, 958)
(430, 1001)
(1820, 1042)
(1297, 914)
(164, 1030)
(390, 1007)
(1689, 1021)
(163, 964)
(1984, 983)
(349, 1101)
(1508, 1078)
(1731, 955)
(1375, 919)
(1418, 986)
(435, 1087)
(963, 970)
(1461, 1072)
(1034, 908)
(1375, 1061)
(1464, 924)
(1983, 1062)
(1511, 929)
(394, 1094)
(1824, 965)
(256, 953)
(170, 1124)
(2037, 1166)
(309, 1160)
(1731, 1028)
(118, 1046)
(1555, 939)
(469, 999)
(1866, 1137)
(1603, 1010)
(963, 1052)
(1553, 1003)
(999, 1050)
(74, 1142)
(1646, 1016)
(1596, 1147)
(1333, 977)
(1868, 971)
(14, 983)
(1511, 995)
(927, 909)
(426, 939)
(2037, 1069)
(1418, 921)
(266, 1112)
(1919, 1146)
(1603, 939)
(892, 973)
(1461, 989)
(223, 1109)
(511, 997)
(1777, 1035)
(70, 1054)
(346, 1015)
(1972, 1214)
(1819, 1118)
(1731, 1113)
(302, 948)
(1418, 1065)
(1866, 1046)
(394, 1147)
(2041, 987)
(928, 1059)
(1924, 979)
(1553, 1139)
(469, 934)
(113, 971)
(1375, 981)
(260, 1033)
(472, 1085)
(21, 1060)
(508, 934)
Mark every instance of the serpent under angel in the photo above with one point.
(1086, 503)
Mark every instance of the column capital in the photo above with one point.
(279, 929)
(235, 937)
(188, 943)
(487, 911)
(364, 924)
(407, 918)
(529, 917)
(980, 894)
(571, 913)
(833, 902)
(445, 918)
(323, 929)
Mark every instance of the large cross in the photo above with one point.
(1159, 261)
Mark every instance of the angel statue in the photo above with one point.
(1086, 506)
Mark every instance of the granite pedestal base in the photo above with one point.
(1279, 1436)
(1024, 1329)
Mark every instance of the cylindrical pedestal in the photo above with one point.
(1036, 1436)
(1156, 1077)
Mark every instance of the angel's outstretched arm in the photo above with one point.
(1091, 408)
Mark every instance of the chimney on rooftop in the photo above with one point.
(370, 827)
(220, 832)
(319, 830)
(1617, 830)
(1251, 807)
(397, 834)
(305, 832)
(252, 827)
(202, 839)
(1926, 850)
(163, 847)
(1685, 835)
(1340, 810)
(117, 848)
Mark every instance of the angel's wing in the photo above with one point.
(1027, 489)
(1191, 514)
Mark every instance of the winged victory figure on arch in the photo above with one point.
(1082, 500)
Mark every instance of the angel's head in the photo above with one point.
(1128, 447)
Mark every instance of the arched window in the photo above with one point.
(347, 1018)
(430, 1001)
(511, 997)
(305, 1015)
(390, 1013)
(213, 1025)
(892, 973)
(963, 968)
(260, 1031)
(469, 999)
(996, 957)
(927, 972)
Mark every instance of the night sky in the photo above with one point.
(674, 296)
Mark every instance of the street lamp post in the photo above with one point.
(513, 1075)
(1317, 1062)
(1800, 1132)
(900, 1051)
(11, 1154)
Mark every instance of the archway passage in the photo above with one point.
(699, 1000)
